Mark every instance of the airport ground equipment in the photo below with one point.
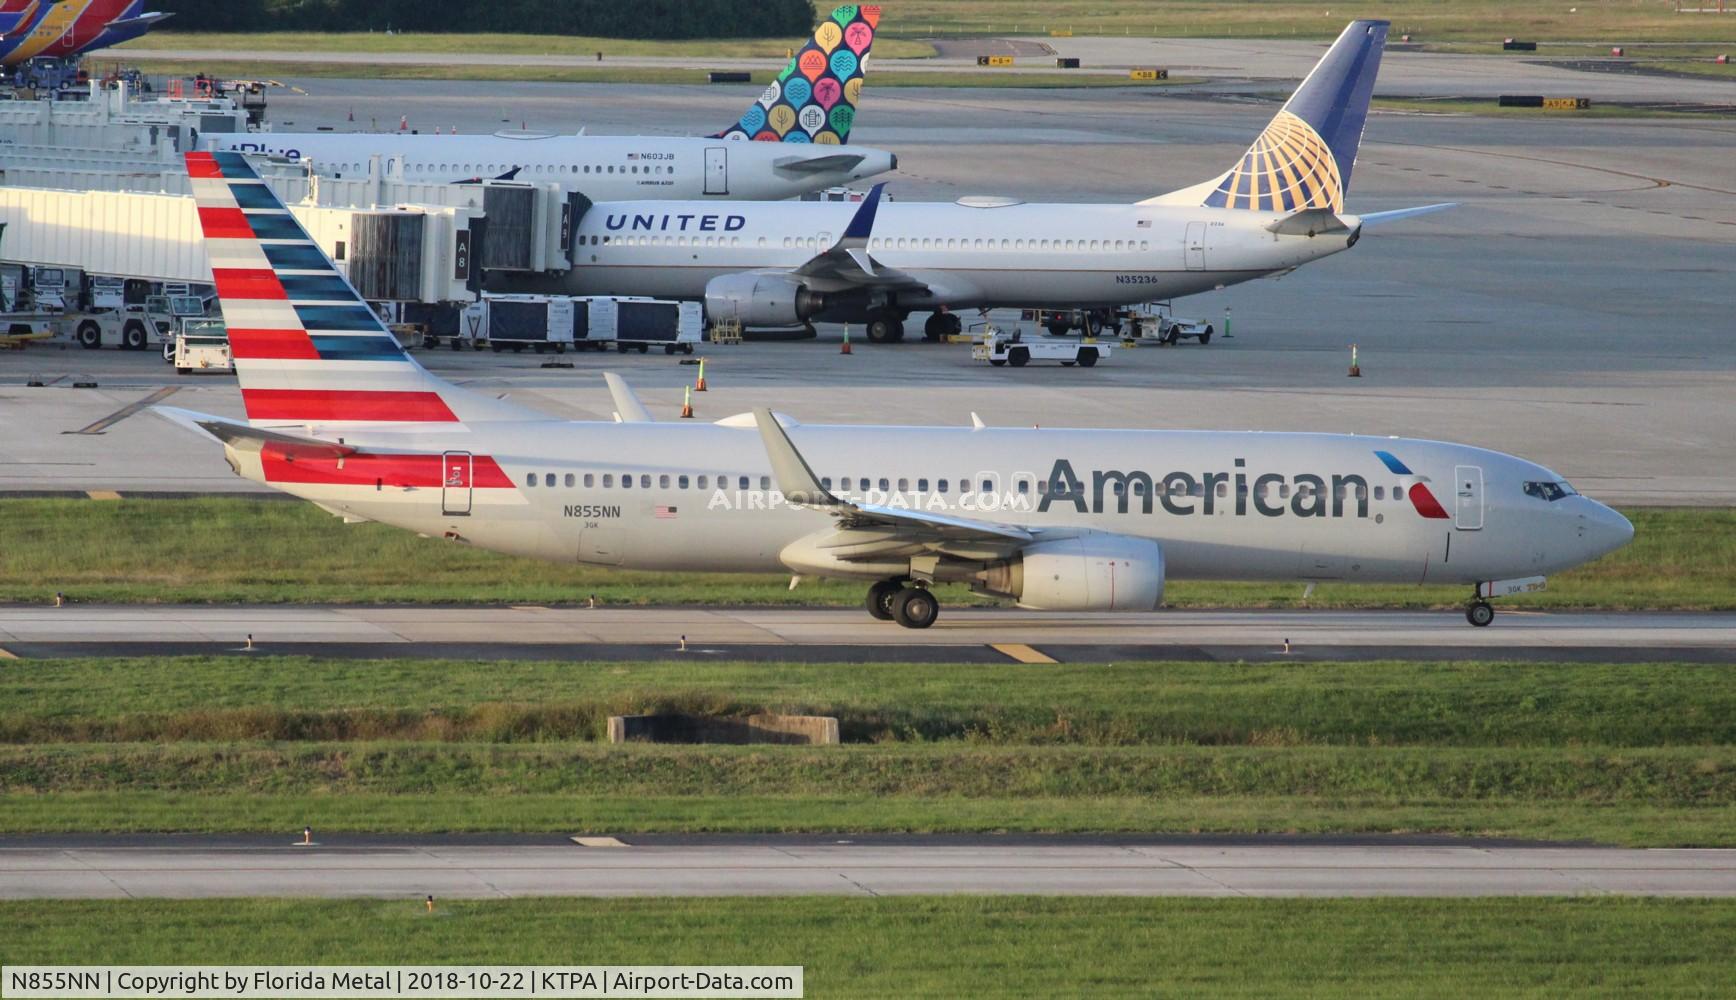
(136, 326)
(200, 345)
(559, 322)
(1001, 348)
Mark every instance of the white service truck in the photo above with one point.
(200, 345)
(999, 347)
(557, 322)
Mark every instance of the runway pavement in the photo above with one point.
(802, 634)
(746, 866)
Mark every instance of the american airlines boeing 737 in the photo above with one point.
(1054, 519)
(798, 129)
(1281, 205)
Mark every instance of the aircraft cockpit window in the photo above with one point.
(1548, 491)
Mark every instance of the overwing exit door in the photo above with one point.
(717, 170)
(1468, 497)
(456, 471)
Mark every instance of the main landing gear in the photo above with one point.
(1479, 612)
(899, 601)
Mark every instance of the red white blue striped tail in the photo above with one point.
(307, 348)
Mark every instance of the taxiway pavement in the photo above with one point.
(847, 635)
(748, 866)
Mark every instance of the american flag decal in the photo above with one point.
(664, 512)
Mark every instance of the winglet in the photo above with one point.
(862, 223)
(796, 481)
(627, 405)
(976, 422)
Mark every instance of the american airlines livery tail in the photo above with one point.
(804, 117)
(1277, 207)
(1054, 519)
(814, 98)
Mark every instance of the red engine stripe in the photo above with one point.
(203, 165)
(345, 404)
(237, 283)
(426, 471)
(292, 345)
(225, 224)
(1425, 502)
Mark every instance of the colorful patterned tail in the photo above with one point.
(1304, 157)
(307, 348)
(814, 98)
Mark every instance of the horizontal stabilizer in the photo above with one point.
(1376, 218)
(241, 435)
(819, 164)
(1310, 222)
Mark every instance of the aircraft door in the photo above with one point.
(1195, 246)
(1468, 498)
(717, 170)
(457, 469)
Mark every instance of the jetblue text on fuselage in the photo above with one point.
(654, 223)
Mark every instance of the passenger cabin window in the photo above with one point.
(681, 482)
(530, 480)
(645, 482)
(626, 480)
(571, 480)
(704, 482)
(608, 480)
(548, 479)
(662, 482)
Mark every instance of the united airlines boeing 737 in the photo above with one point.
(1064, 520)
(1276, 208)
(798, 129)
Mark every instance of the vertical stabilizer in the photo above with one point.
(308, 350)
(814, 98)
(1304, 157)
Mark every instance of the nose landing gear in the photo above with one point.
(1479, 612)
(897, 600)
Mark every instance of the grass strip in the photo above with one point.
(956, 945)
(1511, 705)
(1627, 823)
(221, 550)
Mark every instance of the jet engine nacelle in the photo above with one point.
(760, 300)
(1086, 573)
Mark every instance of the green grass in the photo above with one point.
(1507, 705)
(413, 43)
(1619, 21)
(1637, 754)
(233, 550)
(954, 946)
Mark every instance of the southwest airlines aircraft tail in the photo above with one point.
(814, 98)
(1055, 519)
(1304, 157)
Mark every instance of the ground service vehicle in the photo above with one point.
(200, 345)
(557, 322)
(999, 348)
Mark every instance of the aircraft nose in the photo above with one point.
(1606, 529)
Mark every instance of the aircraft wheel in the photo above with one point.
(89, 335)
(1479, 613)
(880, 598)
(1019, 357)
(954, 325)
(1088, 357)
(935, 327)
(914, 607)
(884, 328)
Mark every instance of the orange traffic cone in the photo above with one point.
(403, 123)
(687, 404)
(699, 386)
(846, 348)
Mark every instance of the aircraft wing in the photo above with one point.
(818, 164)
(878, 529)
(848, 262)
